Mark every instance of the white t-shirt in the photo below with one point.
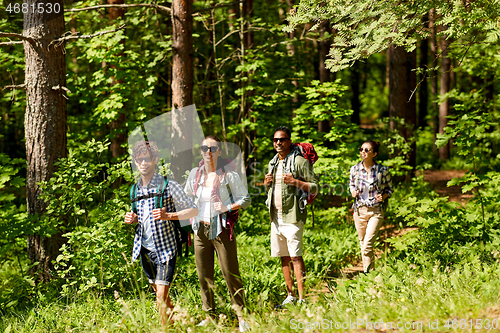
(205, 204)
(147, 233)
(278, 199)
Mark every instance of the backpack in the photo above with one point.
(182, 230)
(378, 184)
(306, 150)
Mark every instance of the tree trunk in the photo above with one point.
(434, 74)
(402, 80)
(292, 50)
(397, 87)
(355, 91)
(182, 84)
(411, 110)
(423, 91)
(118, 135)
(324, 73)
(444, 87)
(45, 123)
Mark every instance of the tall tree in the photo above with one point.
(423, 86)
(444, 87)
(182, 84)
(324, 73)
(45, 121)
(118, 134)
(402, 103)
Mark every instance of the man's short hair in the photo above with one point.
(145, 148)
(284, 129)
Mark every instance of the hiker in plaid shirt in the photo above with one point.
(155, 239)
(370, 185)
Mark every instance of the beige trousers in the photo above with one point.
(228, 261)
(368, 221)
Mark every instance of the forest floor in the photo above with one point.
(438, 179)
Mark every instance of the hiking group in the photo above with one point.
(211, 198)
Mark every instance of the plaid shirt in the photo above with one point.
(371, 182)
(174, 199)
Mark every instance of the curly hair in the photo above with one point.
(145, 147)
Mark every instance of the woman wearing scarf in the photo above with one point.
(219, 193)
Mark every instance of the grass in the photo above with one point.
(399, 291)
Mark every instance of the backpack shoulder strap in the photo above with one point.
(159, 193)
(379, 176)
(272, 163)
(356, 176)
(133, 195)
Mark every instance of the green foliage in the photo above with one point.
(80, 201)
(363, 27)
(336, 155)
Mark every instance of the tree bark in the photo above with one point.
(444, 87)
(182, 84)
(397, 87)
(423, 88)
(355, 91)
(45, 123)
(402, 80)
(324, 73)
(434, 74)
(118, 135)
(292, 50)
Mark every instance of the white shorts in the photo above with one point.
(286, 239)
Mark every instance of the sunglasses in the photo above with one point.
(212, 149)
(139, 160)
(280, 139)
(366, 150)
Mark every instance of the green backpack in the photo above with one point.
(183, 230)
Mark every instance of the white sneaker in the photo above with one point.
(301, 302)
(243, 326)
(289, 300)
(204, 322)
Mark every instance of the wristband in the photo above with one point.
(229, 207)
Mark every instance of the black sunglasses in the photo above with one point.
(367, 150)
(213, 149)
(139, 160)
(280, 139)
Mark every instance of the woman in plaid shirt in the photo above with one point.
(370, 185)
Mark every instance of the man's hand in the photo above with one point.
(161, 214)
(268, 179)
(131, 218)
(289, 180)
(355, 193)
(379, 197)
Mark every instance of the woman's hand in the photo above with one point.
(355, 193)
(218, 206)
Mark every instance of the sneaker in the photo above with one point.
(288, 300)
(243, 326)
(301, 302)
(204, 322)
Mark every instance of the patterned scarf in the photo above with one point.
(232, 216)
